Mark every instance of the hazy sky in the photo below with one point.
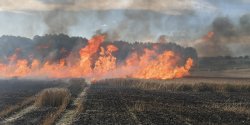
(125, 19)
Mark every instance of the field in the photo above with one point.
(193, 100)
(20, 99)
(14, 91)
(230, 73)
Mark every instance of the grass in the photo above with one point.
(174, 85)
(141, 106)
(61, 98)
(53, 97)
(76, 86)
(57, 99)
(239, 108)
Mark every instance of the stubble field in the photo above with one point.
(194, 100)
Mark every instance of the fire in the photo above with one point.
(208, 36)
(106, 62)
(97, 62)
(163, 66)
(87, 52)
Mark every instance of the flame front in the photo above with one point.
(149, 65)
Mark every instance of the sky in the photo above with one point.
(130, 20)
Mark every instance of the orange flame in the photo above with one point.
(150, 65)
(208, 36)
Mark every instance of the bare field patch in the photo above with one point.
(47, 103)
(180, 101)
(138, 101)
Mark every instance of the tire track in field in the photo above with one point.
(69, 115)
(130, 112)
(18, 115)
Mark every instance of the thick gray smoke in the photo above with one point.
(145, 25)
(222, 26)
(226, 38)
(245, 23)
(143, 18)
(149, 17)
(133, 20)
(58, 20)
(140, 20)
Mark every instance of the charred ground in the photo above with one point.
(136, 101)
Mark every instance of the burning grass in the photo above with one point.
(97, 61)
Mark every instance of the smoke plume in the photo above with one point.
(226, 38)
(58, 19)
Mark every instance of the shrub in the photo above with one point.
(53, 97)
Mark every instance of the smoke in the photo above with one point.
(245, 23)
(134, 20)
(223, 27)
(145, 25)
(163, 39)
(132, 24)
(142, 18)
(227, 38)
(139, 20)
(58, 19)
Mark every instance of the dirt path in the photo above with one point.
(70, 114)
(18, 115)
